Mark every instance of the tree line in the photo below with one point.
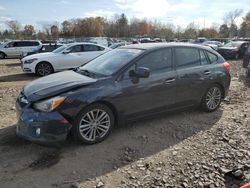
(120, 27)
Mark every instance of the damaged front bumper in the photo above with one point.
(42, 127)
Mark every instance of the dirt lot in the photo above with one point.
(183, 149)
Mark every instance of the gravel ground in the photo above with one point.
(182, 149)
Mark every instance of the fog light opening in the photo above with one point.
(38, 131)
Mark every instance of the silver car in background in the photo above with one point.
(15, 49)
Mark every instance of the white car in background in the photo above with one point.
(18, 47)
(63, 58)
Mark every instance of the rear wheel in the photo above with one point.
(212, 98)
(93, 124)
(44, 68)
(2, 55)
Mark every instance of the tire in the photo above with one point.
(88, 128)
(212, 99)
(2, 55)
(44, 69)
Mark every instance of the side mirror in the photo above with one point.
(140, 72)
(66, 51)
(6, 46)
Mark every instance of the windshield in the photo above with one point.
(110, 62)
(233, 44)
(60, 49)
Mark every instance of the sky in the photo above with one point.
(177, 12)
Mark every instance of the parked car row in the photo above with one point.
(234, 49)
(120, 85)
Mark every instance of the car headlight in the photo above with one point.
(49, 104)
(30, 61)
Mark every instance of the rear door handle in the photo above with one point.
(207, 72)
(170, 80)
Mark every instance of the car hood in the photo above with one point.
(228, 48)
(55, 84)
(40, 55)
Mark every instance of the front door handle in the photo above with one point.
(170, 80)
(207, 72)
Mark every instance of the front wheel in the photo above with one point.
(212, 98)
(43, 69)
(93, 124)
(2, 55)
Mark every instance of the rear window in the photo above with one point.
(212, 57)
(187, 57)
(90, 48)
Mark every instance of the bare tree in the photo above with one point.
(229, 20)
(231, 16)
(15, 26)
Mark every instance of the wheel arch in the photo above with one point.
(222, 88)
(3, 53)
(109, 105)
(210, 85)
(44, 62)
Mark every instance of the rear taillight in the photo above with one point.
(226, 66)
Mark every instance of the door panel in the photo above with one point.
(70, 60)
(152, 94)
(193, 72)
(67, 61)
(12, 49)
(87, 56)
(190, 85)
(148, 95)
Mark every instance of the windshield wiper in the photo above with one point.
(87, 73)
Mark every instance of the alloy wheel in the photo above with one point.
(94, 124)
(44, 69)
(213, 98)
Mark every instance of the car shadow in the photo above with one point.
(245, 80)
(13, 65)
(17, 77)
(72, 161)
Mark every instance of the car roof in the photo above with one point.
(152, 46)
(24, 41)
(75, 43)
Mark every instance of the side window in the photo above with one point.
(204, 60)
(101, 48)
(157, 61)
(11, 44)
(75, 49)
(187, 57)
(22, 44)
(212, 57)
(33, 43)
(90, 48)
